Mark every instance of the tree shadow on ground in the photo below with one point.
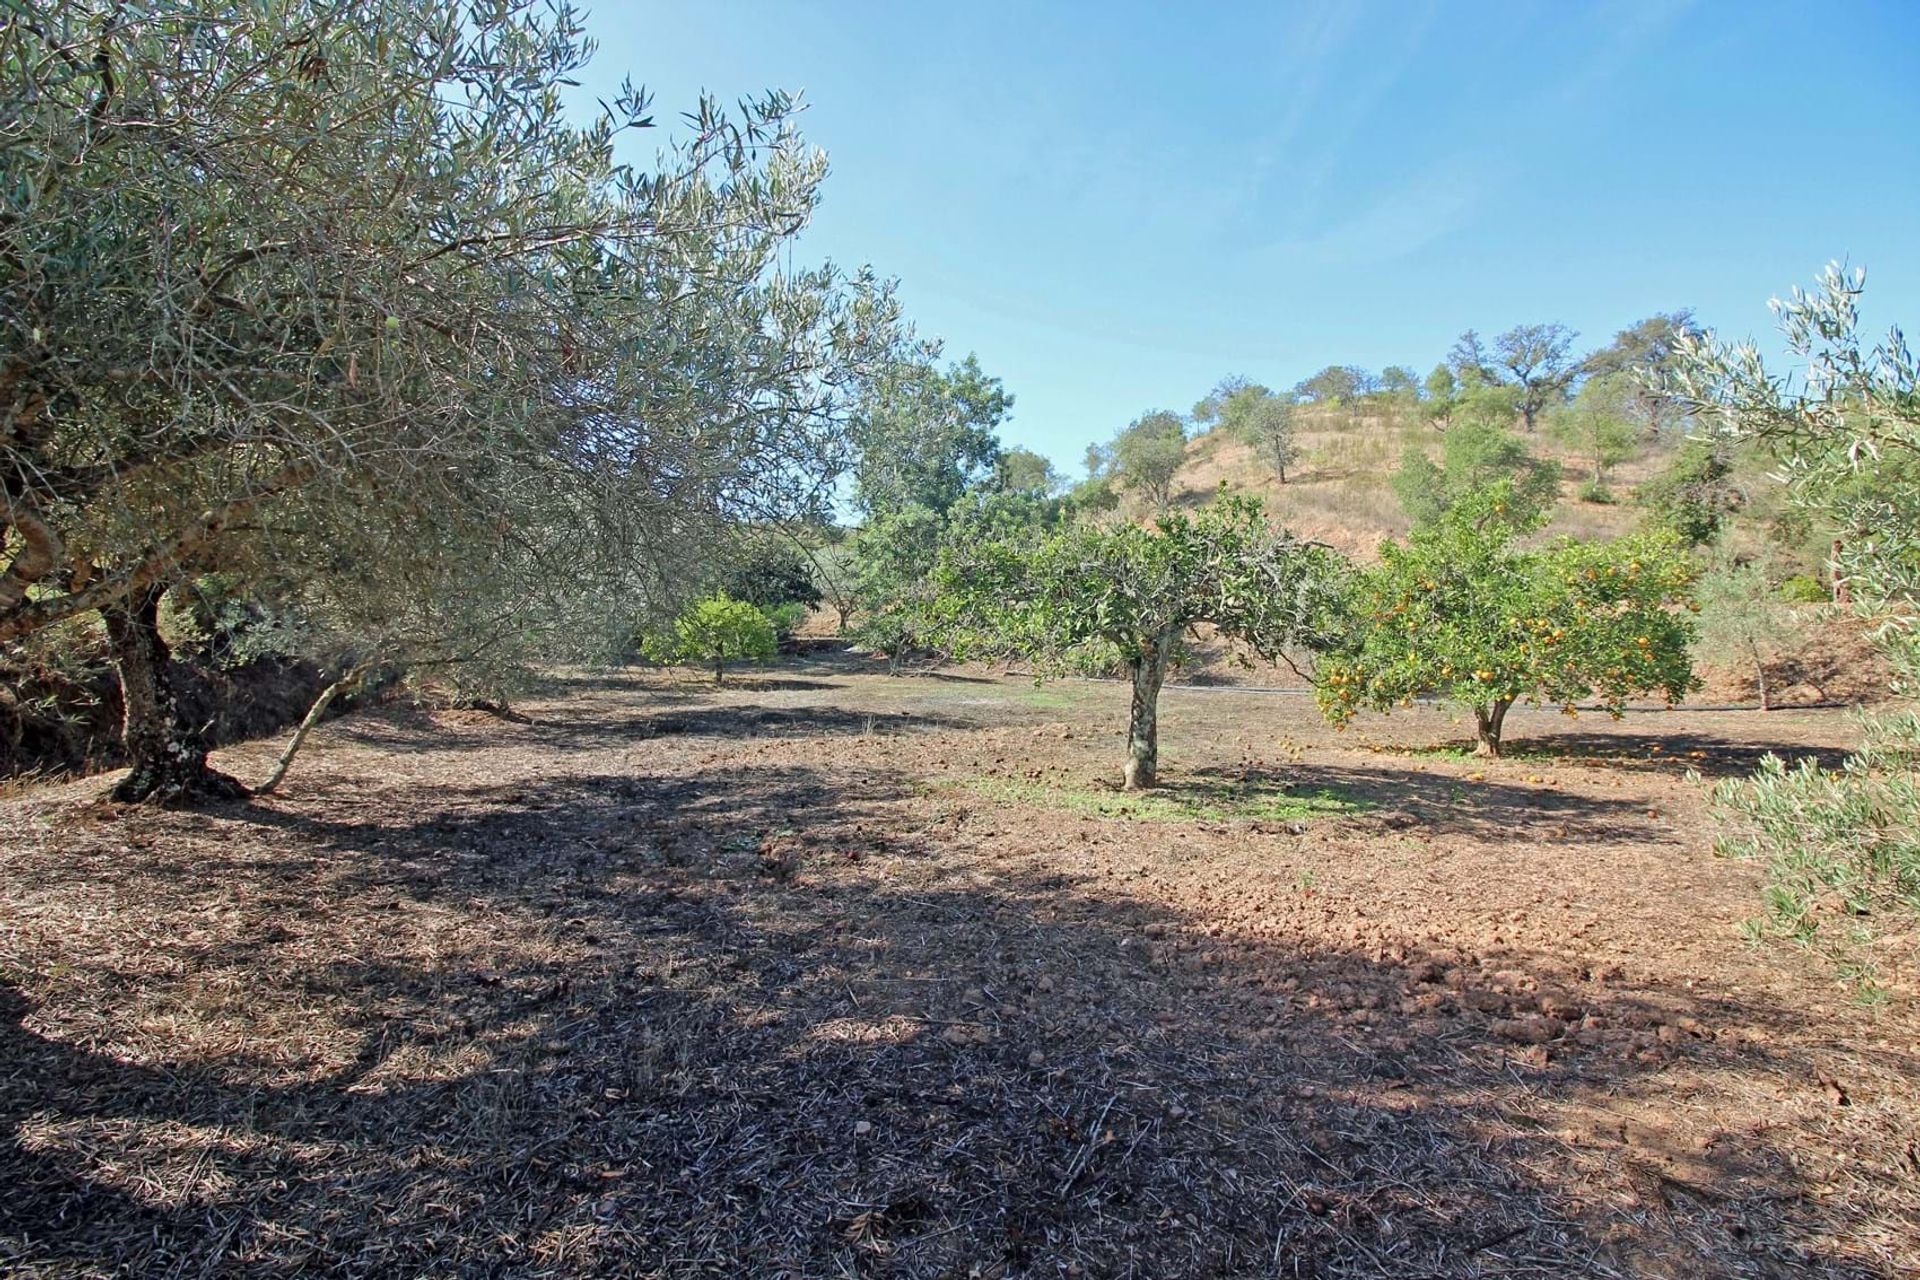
(574, 727)
(750, 682)
(774, 1021)
(1674, 752)
(575, 731)
(1492, 812)
(955, 677)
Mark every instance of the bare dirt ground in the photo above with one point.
(831, 974)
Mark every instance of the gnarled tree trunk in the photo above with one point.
(1487, 721)
(168, 762)
(1143, 718)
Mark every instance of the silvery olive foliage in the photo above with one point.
(337, 297)
(1843, 845)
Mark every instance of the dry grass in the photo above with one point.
(1341, 492)
(660, 980)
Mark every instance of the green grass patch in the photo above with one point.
(1509, 753)
(1052, 697)
(1178, 801)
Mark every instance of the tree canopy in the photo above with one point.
(353, 305)
(1460, 612)
(924, 434)
(1090, 595)
(1148, 453)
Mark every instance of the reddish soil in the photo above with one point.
(649, 979)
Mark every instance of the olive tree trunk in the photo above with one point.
(1149, 673)
(1760, 674)
(1487, 722)
(167, 761)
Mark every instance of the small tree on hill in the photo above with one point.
(1695, 494)
(1249, 412)
(1740, 618)
(1539, 357)
(1599, 425)
(1644, 354)
(1267, 425)
(714, 632)
(1474, 454)
(1461, 613)
(1147, 455)
(1400, 384)
(1025, 472)
(1092, 595)
(1337, 385)
(1441, 389)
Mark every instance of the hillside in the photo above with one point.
(1340, 491)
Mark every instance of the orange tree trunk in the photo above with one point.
(1487, 723)
(1143, 719)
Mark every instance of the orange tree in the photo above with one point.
(715, 631)
(1463, 613)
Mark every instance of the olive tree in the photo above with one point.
(1462, 613)
(1598, 424)
(1146, 456)
(336, 290)
(1092, 595)
(1843, 845)
(1742, 620)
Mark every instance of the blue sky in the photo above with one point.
(1115, 204)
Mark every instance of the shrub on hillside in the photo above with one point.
(1695, 494)
(1804, 588)
(1474, 454)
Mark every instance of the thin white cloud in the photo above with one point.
(1294, 162)
(1401, 222)
(1626, 27)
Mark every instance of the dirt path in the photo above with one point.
(830, 974)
